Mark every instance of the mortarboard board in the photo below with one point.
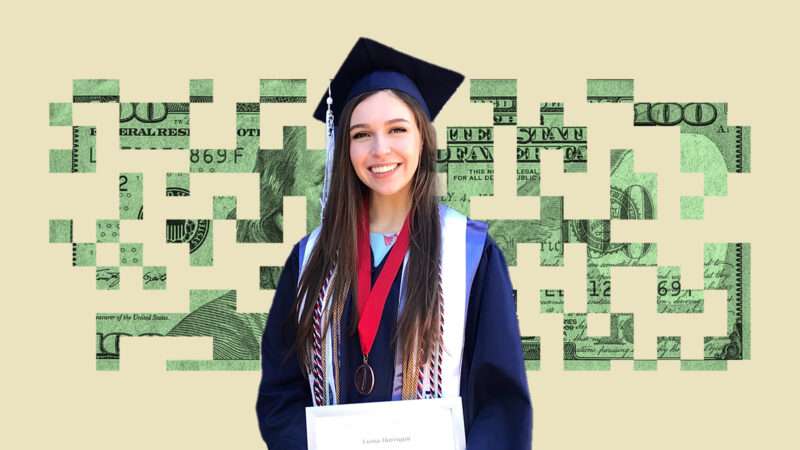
(372, 66)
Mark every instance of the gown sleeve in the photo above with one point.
(497, 404)
(283, 392)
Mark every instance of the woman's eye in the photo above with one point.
(361, 133)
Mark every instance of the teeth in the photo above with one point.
(384, 169)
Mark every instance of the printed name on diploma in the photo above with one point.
(387, 440)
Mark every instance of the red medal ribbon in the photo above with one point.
(372, 300)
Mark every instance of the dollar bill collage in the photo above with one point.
(633, 162)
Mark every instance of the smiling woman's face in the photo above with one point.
(383, 132)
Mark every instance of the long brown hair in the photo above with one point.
(337, 240)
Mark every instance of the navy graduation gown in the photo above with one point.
(494, 389)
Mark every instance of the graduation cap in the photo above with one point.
(372, 66)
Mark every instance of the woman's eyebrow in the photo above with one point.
(399, 119)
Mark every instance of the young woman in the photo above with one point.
(395, 296)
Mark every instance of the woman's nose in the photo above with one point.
(380, 144)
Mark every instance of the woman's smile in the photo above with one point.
(383, 170)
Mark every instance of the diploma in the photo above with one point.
(403, 424)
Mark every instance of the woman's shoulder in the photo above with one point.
(493, 251)
(446, 211)
(298, 250)
(300, 245)
(477, 230)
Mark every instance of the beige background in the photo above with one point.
(745, 55)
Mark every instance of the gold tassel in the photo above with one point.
(411, 372)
